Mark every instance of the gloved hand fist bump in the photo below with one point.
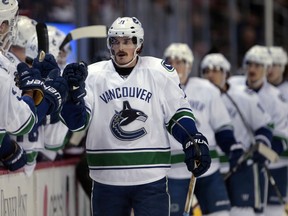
(48, 64)
(56, 90)
(28, 78)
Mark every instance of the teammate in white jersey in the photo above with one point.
(276, 78)
(256, 62)
(48, 138)
(18, 112)
(56, 37)
(26, 28)
(275, 73)
(251, 126)
(132, 103)
(47, 97)
(213, 120)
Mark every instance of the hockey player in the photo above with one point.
(251, 126)
(56, 37)
(48, 138)
(26, 28)
(276, 78)
(213, 120)
(18, 111)
(132, 102)
(256, 63)
(275, 74)
(18, 114)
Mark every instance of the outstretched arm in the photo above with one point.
(74, 113)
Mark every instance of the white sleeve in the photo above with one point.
(219, 115)
(16, 115)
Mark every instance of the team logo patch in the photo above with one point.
(167, 66)
(124, 117)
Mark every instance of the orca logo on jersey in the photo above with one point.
(167, 66)
(126, 116)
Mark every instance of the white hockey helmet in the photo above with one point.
(26, 28)
(8, 13)
(179, 51)
(258, 54)
(126, 27)
(31, 49)
(279, 55)
(215, 60)
(56, 37)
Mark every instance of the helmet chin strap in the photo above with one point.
(127, 64)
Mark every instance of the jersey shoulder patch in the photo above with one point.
(167, 66)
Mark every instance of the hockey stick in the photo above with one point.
(276, 189)
(262, 149)
(267, 152)
(192, 183)
(243, 158)
(43, 42)
(189, 198)
(43, 48)
(42, 37)
(94, 31)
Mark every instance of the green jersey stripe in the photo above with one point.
(127, 158)
(26, 128)
(178, 116)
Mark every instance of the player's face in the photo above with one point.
(4, 27)
(274, 74)
(62, 58)
(4, 35)
(123, 49)
(216, 76)
(181, 68)
(254, 72)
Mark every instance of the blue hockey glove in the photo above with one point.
(55, 90)
(197, 160)
(12, 155)
(29, 80)
(236, 151)
(48, 64)
(76, 74)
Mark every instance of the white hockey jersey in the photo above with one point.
(283, 87)
(272, 101)
(127, 141)
(274, 104)
(211, 115)
(16, 116)
(251, 110)
(48, 136)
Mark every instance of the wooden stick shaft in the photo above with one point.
(189, 197)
